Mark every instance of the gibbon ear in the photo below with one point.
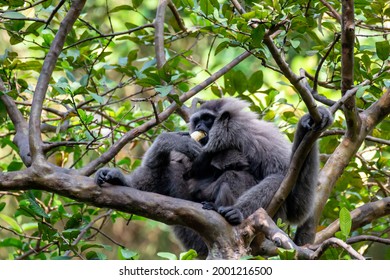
(224, 116)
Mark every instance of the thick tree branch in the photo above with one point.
(335, 165)
(360, 217)
(159, 33)
(222, 243)
(223, 240)
(35, 139)
(347, 67)
(21, 127)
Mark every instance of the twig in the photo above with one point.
(176, 14)
(315, 83)
(53, 13)
(335, 14)
(336, 242)
(342, 132)
(148, 25)
(304, 92)
(86, 228)
(361, 238)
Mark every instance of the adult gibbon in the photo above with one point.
(231, 161)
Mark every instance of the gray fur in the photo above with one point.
(238, 169)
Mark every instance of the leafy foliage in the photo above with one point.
(107, 82)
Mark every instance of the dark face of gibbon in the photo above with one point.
(201, 123)
(203, 120)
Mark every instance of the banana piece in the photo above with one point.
(198, 135)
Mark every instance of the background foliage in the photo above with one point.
(108, 81)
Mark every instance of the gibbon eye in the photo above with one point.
(208, 120)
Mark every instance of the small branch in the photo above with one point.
(238, 7)
(132, 30)
(342, 155)
(53, 13)
(84, 231)
(336, 242)
(368, 137)
(315, 84)
(303, 90)
(160, 49)
(334, 13)
(361, 238)
(176, 14)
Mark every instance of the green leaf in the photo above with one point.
(11, 242)
(92, 255)
(383, 49)
(35, 207)
(97, 97)
(30, 226)
(239, 81)
(11, 222)
(122, 8)
(255, 81)
(345, 222)
(295, 43)
(221, 47)
(286, 254)
(189, 255)
(13, 15)
(361, 91)
(88, 246)
(137, 3)
(206, 7)
(15, 166)
(2, 205)
(164, 90)
(125, 254)
(257, 36)
(167, 255)
(33, 28)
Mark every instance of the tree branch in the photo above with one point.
(360, 217)
(336, 242)
(21, 127)
(347, 67)
(335, 165)
(35, 139)
(176, 14)
(296, 81)
(303, 90)
(334, 13)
